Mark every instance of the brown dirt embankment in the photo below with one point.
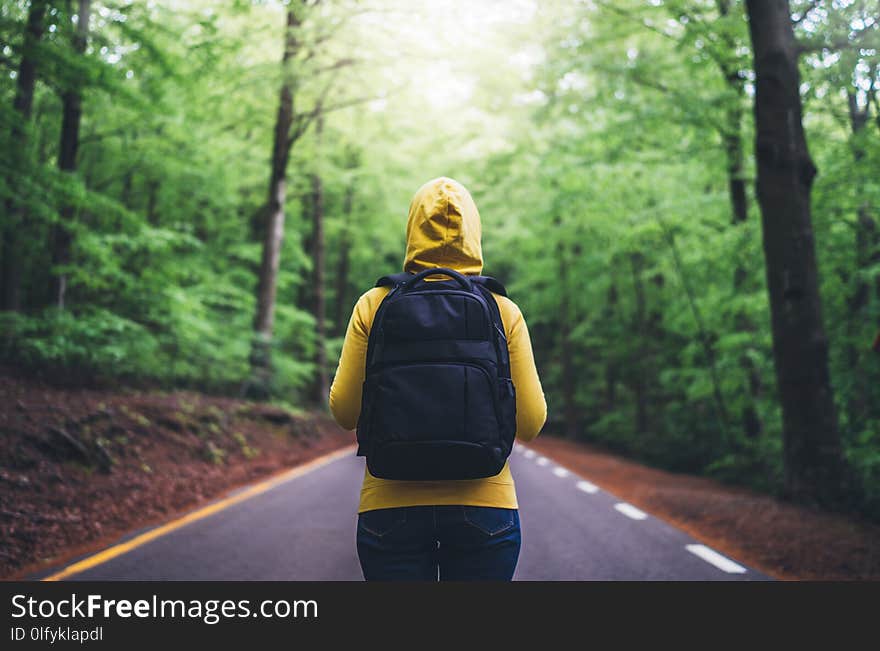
(81, 467)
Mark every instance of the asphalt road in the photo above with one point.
(302, 527)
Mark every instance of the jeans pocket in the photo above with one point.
(381, 522)
(491, 521)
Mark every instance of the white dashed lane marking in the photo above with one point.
(630, 511)
(714, 558)
(587, 487)
(701, 551)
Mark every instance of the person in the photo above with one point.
(444, 529)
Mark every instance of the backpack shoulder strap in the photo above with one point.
(489, 283)
(498, 322)
(393, 280)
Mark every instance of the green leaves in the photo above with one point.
(92, 341)
(590, 135)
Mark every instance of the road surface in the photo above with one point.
(302, 527)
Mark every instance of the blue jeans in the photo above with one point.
(446, 543)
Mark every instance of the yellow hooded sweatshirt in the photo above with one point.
(443, 230)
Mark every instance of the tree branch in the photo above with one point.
(357, 100)
(304, 120)
(326, 35)
(336, 65)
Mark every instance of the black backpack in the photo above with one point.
(438, 401)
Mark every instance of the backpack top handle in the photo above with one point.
(443, 271)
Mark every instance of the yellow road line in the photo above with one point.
(204, 512)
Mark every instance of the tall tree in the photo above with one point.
(61, 237)
(639, 354)
(723, 41)
(273, 229)
(322, 383)
(566, 349)
(717, 39)
(10, 272)
(734, 79)
(343, 264)
(867, 245)
(300, 47)
(351, 163)
(813, 462)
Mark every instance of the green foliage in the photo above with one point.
(623, 168)
(96, 340)
(596, 138)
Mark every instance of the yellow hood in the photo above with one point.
(443, 229)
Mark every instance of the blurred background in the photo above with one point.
(195, 193)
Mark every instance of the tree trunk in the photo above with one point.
(127, 196)
(152, 202)
(305, 296)
(733, 147)
(566, 350)
(342, 268)
(322, 384)
(61, 238)
(735, 173)
(611, 371)
(10, 271)
(27, 68)
(273, 233)
(813, 462)
(867, 246)
(640, 389)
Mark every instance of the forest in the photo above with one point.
(681, 195)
